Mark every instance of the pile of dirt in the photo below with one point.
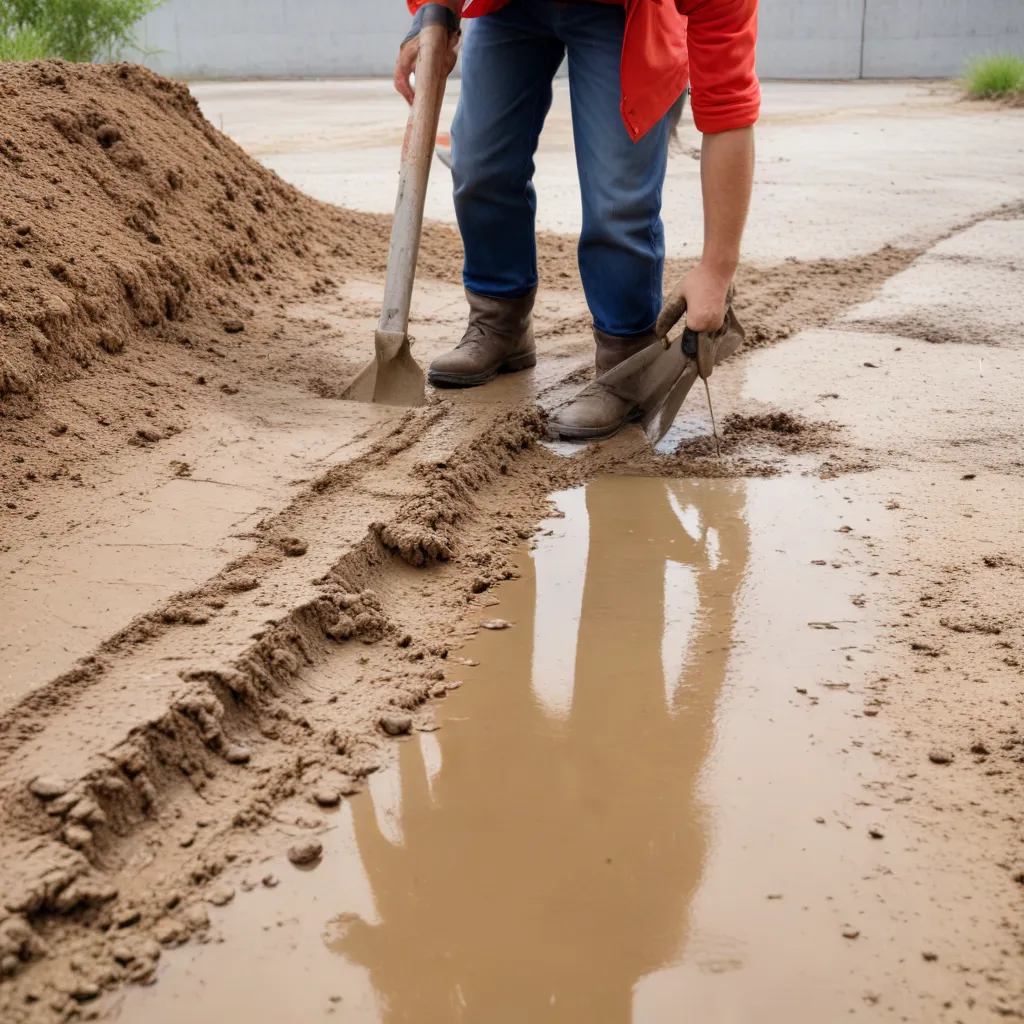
(124, 212)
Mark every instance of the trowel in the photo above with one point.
(659, 377)
(394, 377)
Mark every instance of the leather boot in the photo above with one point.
(498, 339)
(598, 411)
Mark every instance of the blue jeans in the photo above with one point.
(508, 63)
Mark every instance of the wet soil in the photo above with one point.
(569, 837)
(228, 594)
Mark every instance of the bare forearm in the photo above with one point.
(727, 178)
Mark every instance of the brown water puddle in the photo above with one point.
(631, 812)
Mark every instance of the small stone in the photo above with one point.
(123, 953)
(876, 833)
(293, 547)
(851, 933)
(222, 897)
(48, 787)
(396, 725)
(236, 753)
(326, 797)
(304, 854)
(149, 435)
(774, 896)
(233, 327)
(170, 932)
(801, 689)
(980, 749)
(820, 821)
(496, 624)
(271, 881)
(930, 957)
(940, 757)
(9, 966)
(871, 712)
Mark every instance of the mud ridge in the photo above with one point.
(86, 820)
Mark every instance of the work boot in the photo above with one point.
(599, 411)
(498, 339)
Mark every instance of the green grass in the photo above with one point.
(995, 76)
(77, 30)
(22, 44)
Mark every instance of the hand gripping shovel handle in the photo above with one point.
(417, 152)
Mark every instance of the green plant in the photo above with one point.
(22, 44)
(1001, 74)
(77, 30)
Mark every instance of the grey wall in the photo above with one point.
(274, 38)
(810, 38)
(799, 38)
(933, 38)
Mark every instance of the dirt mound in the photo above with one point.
(123, 211)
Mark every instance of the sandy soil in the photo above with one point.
(222, 586)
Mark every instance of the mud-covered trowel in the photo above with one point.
(394, 378)
(659, 377)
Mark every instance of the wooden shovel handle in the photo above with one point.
(417, 154)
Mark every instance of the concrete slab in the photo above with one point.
(843, 168)
(969, 288)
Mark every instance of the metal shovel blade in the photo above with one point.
(393, 380)
(658, 379)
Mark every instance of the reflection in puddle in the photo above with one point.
(551, 869)
(624, 779)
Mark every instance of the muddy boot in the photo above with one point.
(498, 339)
(599, 411)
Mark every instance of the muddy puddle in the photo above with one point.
(652, 799)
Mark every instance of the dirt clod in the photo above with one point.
(293, 547)
(169, 931)
(48, 787)
(221, 896)
(939, 756)
(396, 725)
(238, 754)
(304, 854)
(326, 797)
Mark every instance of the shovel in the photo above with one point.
(394, 378)
(659, 377)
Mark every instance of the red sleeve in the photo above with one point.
(722, 43)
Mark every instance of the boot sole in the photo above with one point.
(557, 432)
(474, 380)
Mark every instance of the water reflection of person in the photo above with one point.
(550, 867)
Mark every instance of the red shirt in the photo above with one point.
(710, 43)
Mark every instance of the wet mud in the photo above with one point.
(572, 837)
(229, 599)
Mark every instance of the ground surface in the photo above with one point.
(182, 609)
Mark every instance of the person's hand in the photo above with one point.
(701, 296)
(405, 66)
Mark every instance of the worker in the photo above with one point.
(629, 61)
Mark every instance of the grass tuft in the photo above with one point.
(999, 75)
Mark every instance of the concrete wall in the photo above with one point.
(933, 38)
(810, 38)
(274, 38)
(799, 38)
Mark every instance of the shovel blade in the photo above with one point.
(658, 379)
(396, 381)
